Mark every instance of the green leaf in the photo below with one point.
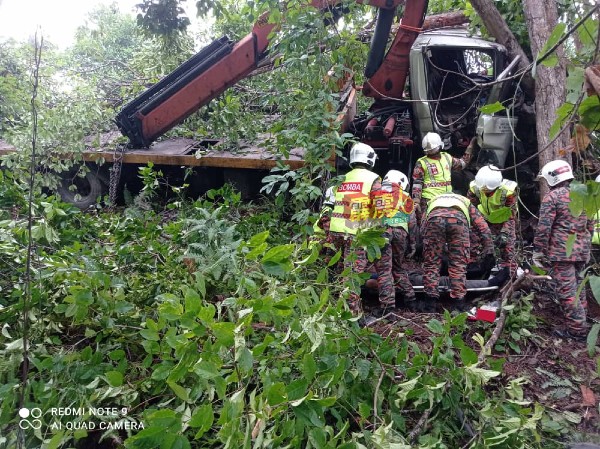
(150, 437)
(363, 367)
(595, 286)
(468, 356)
(115, 378)
(308, 367)
(276, 394)
(296, 389)
(570, 242)
(56, 440)
(200, 284)
(245, 359)
(435, 326)
(589, 110)
(336, 257)
(224, 333)
(192, 301)
(206, 370)
(555, 36)
(202, 419)
(179, 391)
(484, 375)
(256, 251)
(592, 339)
(279, 253)
(562, 115)
(278, 269)
(577, 195)
(149, 335)
(492, 108)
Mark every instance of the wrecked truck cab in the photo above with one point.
(452, 76)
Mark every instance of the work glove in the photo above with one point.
(538, 259)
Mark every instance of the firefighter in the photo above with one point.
(395, 207)
(555, 250)
(496, 199)
(447, 222)
(432, 172)
(354, 210)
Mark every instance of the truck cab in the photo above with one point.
(451, 79)
(452, 75)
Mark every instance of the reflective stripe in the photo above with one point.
(450, 200)
(437, 175)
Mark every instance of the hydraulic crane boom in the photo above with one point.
(223, 63)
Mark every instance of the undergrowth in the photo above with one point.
(209, 327)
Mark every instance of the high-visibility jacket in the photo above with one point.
(396, 206)
(353, 210)
(493, 207)
(437, 175)
(596, 234)
(448, 200)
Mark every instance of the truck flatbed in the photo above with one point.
(189, 153)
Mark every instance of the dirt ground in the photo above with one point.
(561, 374)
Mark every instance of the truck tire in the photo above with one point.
(89, 189)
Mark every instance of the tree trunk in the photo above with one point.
(550, 84)
(497, 27)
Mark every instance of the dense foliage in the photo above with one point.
(211, 322)
(207, 324)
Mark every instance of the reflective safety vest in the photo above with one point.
(596, 234)
(493, 207)
(438, 175)
(394, 206)
(352, 209)
(450, 200)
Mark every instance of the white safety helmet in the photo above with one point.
(555, 172)
(397, 177)
(361, 153)
(597, 178)
(329, 199)
(432, 143)
(488, 177)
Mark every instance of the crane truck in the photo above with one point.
(435, 80)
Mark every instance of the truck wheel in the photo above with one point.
(87, 190)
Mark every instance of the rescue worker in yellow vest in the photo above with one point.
(447, 221)
(496, 199)
(353, 211)
(395, 207)
(432, 173)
